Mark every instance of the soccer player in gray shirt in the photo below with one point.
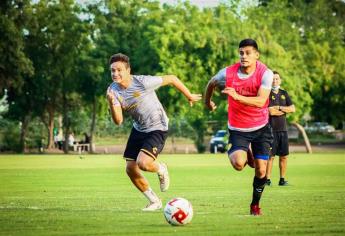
(135, 94)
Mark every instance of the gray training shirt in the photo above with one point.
(141, 102)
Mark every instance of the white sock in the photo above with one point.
(161, 169)
(150, 195)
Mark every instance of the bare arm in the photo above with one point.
(288, 109)
(274, 111)
(281, 110)
(258, 101)
(173, 80)
(116, 110)
(208, 94)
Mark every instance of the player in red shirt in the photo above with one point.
(248, 85)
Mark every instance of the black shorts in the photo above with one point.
(151, 143)
(280, 146)
(260, 139)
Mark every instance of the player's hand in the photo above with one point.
(211, 106)
(194, 98)
(231, 92)
(110, 96)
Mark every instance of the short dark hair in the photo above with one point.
(276, 72)
(119, 57)
(248, 42)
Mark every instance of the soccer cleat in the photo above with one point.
(268, 182)
(153, 206)
(164, 180)
(250, 158)
(283, 183)
(255, 210)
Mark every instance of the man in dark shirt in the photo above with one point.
(280, 104)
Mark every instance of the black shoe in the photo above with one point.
(283, 183)
(268, 182)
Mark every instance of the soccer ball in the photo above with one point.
(178, 211)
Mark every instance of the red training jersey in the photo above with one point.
(240, 115)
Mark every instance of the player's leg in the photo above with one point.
(134, 173)
(261, 150)
(269, 170)
(271, 159)
(131, 154)
(147, 163)
(283, 156)
(282, 167)
(152, 146)
(139, 181)
(238, 159)
(250, 158)
(239, 148)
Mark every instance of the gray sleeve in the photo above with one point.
(267, 79)
(152, 82)
(219, 78)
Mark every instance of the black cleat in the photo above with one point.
(283, 183)
(268, 182)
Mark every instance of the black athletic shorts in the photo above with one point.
(151, 143)
(260, 139)
(280, 146)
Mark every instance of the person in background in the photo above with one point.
(280, 105)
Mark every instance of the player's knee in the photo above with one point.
(260, 172)
(236, 165)
(130, 171)
(143, 165)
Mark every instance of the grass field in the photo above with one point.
(91, 195)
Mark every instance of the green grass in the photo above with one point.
(69, 195)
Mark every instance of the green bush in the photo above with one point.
(9, 135)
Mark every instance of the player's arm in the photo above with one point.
(217, 82)
(115, 109)
(260, 99)
(211, 86)
(173, 80)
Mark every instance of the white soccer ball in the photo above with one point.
(178, 211)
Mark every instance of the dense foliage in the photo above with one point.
(54, 57)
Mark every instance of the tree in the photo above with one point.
(56, 38)
(14, 64)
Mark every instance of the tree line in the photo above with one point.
(54, 57)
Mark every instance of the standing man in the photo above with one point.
(136, 95)
(280, 104)
(248, 85)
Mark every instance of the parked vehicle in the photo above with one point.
(219, 141)
(319, 127)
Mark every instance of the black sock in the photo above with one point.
(258, 188)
